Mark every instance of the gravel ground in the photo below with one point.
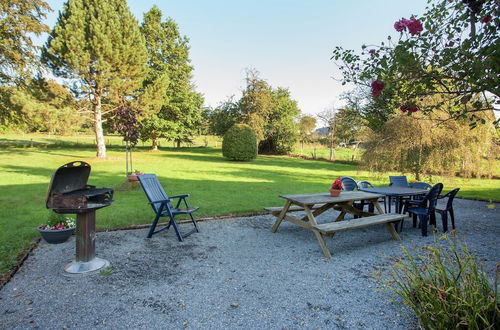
(233, 274)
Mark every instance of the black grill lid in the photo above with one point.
(69, 177)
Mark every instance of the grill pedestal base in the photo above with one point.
(80, 267)
(85, 260)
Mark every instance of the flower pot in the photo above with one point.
(335, 192)
(56, 236)
(132, 178)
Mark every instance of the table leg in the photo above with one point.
(393, 231)
(378, 207)
(318, 235)
(281, 216)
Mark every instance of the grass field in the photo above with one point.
(216, 185)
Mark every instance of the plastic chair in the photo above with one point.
(398, 181)
(420, 185)
(365, 184)
(349, 184)
(448, 209)
(426, 208)
(163, 207)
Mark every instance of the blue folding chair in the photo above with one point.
(163, 207)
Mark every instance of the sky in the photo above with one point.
(289, 42)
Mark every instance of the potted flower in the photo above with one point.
(336, 187)
(132, 176)
(58, 229)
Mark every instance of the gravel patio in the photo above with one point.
(234, 274)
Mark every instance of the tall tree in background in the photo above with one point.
(224, 117)
(348, 123)
(306, 126)
(173, 107)
(280, 130)
(99, 44)
(155, 85)
(256, 103)
(39, 105)
(327, 116)
(19, 20)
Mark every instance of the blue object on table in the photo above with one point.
(448, 209)
(426, 207)
(163, 207)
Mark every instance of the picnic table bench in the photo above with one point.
(316, 204)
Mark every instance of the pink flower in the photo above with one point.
(414, 26)
(400, 25)
(377, 87)
(486, 19)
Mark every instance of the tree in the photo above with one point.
(416, 144)
(452, 50)
(98, 43)
(256, 103)
(173, 106)
(328, 118)
(125, 122)
(19, 20)
(224, 117)
(306, 126)
(39, 105)
(348, 124)
(280, 130)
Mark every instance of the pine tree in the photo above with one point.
(173, 105)
(99, 44)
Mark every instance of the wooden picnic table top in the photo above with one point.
(325, 198)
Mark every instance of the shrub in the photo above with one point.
(239, 143)
(446, 288)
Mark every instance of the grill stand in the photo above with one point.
(85, 261)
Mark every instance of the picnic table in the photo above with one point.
(315, 204)
(397, 192)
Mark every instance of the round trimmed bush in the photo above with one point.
(239, 143)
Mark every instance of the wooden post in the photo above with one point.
(85, 236)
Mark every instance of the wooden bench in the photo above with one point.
(276, 210)
(387, 218)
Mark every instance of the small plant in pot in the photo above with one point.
(132, 176)
(58, 229)
(336, 187)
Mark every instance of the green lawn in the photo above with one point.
(216, 185)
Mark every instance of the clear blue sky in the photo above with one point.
(289, 42)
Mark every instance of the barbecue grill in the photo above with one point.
(69, 193)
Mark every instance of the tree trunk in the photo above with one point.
(178, 144)
(331, 149)
(154, 142)
(99, 135)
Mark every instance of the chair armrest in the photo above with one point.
(418, 202)
(180, 196)
(89, 186)
(161, 201)
(445, 195)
